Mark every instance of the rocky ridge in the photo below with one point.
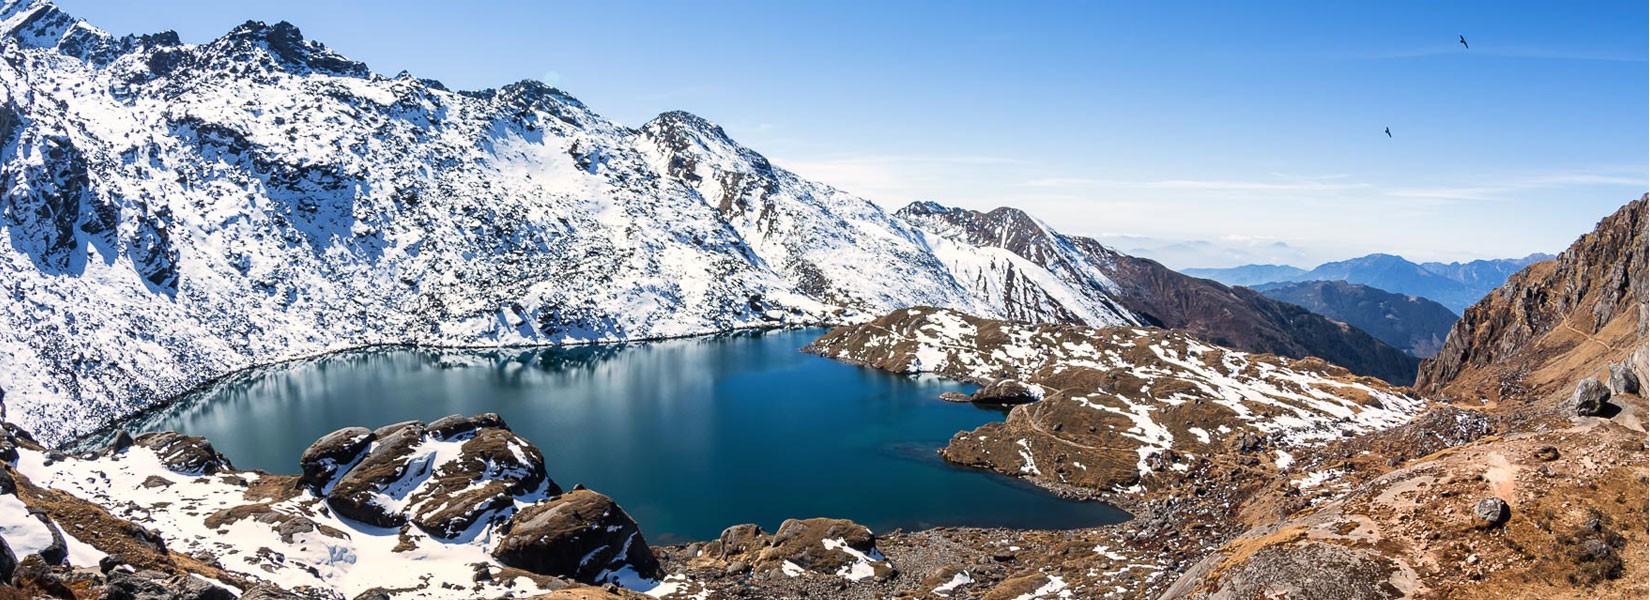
(1161, 297)
(1414, 324)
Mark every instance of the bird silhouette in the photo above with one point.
(1463, 41)
(1389, 132)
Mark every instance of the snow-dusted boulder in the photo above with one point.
(184, 453)
(826, 546)
(1008, 391)
(364, 492)
(323, 459)
(407, 472)
(581, 535)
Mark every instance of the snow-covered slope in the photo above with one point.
(175, 212)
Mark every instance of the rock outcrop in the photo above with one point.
(455, 499)
(1235, 317)
(1121, 404)
(442, 483)
(322, 460)
(152, 585)
(1590, 397)
(580, 535)
(186, 454)
(1553, 324)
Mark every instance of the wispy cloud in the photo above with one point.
(1508, 188)
(1331, 183)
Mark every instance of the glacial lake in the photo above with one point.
(689, 436)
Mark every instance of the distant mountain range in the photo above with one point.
(1415, 324)
(1455, 285)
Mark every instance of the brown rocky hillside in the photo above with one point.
(1552, 324)
(1550, 504)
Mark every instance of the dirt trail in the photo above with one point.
(1501, 474)
(1586, 335)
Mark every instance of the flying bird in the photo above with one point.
(1463, 41)
(1389, 132)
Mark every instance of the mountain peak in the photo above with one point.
(683, 121)
(286, 45)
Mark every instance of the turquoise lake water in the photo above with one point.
(689, 436)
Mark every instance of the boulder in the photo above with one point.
(1491, 511)
(184, 454)
(57, 552)
(267, 592)
(954, 397)
(1589, 397)
(154, 585)
(453, 425)
(1008, 391)
(322, 460)
(7, 484)
(580, 535)
(827, 546)
(1546, 453)
(354, 495)
(386, 430)
(492, 468)
(1162, 460)
(746, 541)
(8, 561)
(38, 579)
(1623, 380)
(1249, 442)
(122, 441)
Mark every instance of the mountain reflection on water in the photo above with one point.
(689, 436)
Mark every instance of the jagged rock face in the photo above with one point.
(1411, 323)
(1115, 398)
(1099, 279)
(1553, 324)
(581, 535)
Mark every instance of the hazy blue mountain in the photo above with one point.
(1488, 274)
(1411, 323)
(1248, 274)
(1454, 285)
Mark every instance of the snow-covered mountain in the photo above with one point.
(175, 212)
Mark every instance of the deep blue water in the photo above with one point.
(689, 436)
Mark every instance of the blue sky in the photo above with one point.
(1202, 133)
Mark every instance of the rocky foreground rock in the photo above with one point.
(407, 509)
